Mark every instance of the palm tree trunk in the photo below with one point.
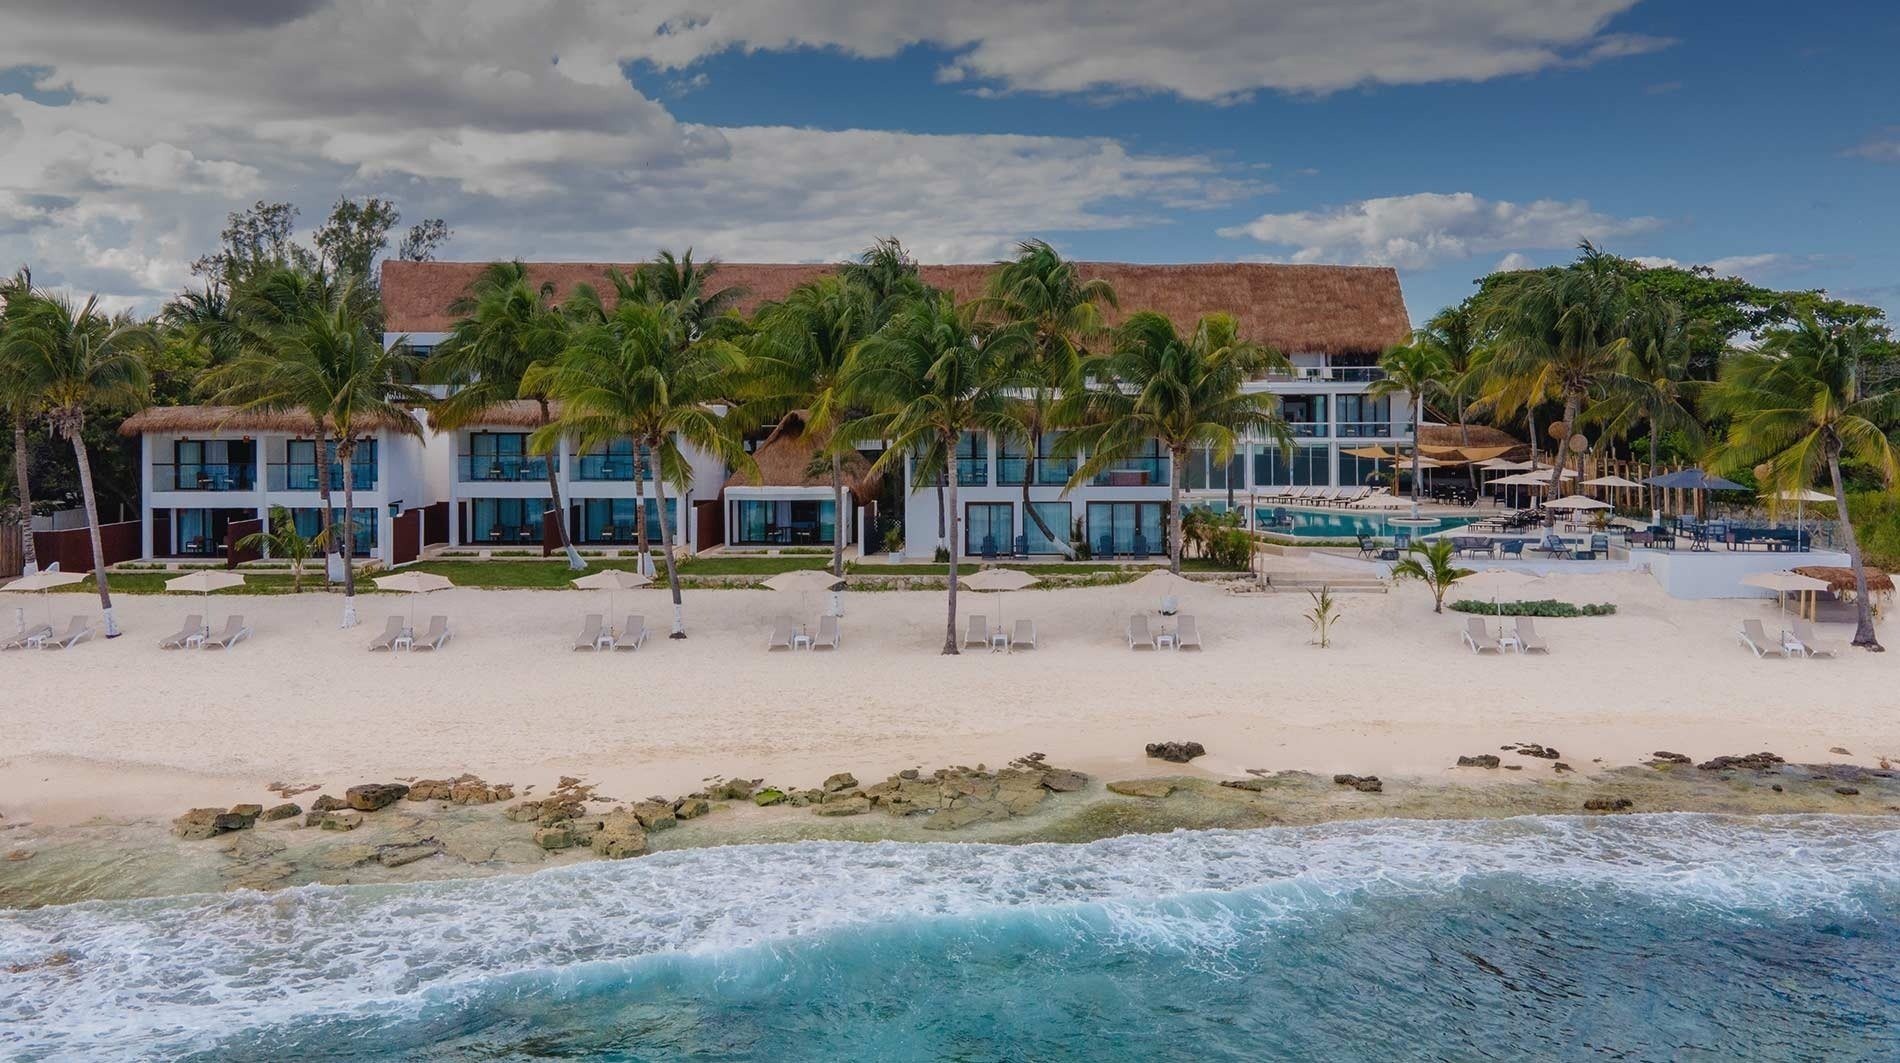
(1179, 461)
(643, 553)
(1655, 451)
(1418, 418)
(1029, 510)
(92, 526)
(324, 516)
(837, 516)
(1571, 402)
(1863, 611)
(574, 562)
(346, 452)
(950, 490)
(940, 515)
(1464, 443)
(666, 549)
(27, 554)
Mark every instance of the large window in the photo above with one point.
(973, 459)
(363, 527)
(1060, 517)
(989, 527)
(1118, 528)
(208, 465)
(1305, 413)
(299, 472)
(505, 521)
(773, 522)
(614, 462)
(1147, 464)
(1357, 472)
(1306, 467)
(1205, 473)
(1364, 415)
(201, 532)
(610, 520)
(1013, 464)
(501, 457)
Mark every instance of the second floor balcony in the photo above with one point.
(612, 467)
(199, 476)
(500, 468)
(1043, 472)
(1134, 472)
(305, 476)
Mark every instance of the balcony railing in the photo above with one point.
(1363, 429)
(198, 476)
(1134, 472)
(1307, 429)
(1340, 373)
(302, 476)
(500, 468)
(1048, 472)
(608, 467)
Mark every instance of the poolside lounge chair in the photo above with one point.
(1139, 637)
(978, 631)
(828, 637)
(21, 639)
(1528, 640)
(1024, 637)
(1811, 645)
(435, 637)
(1187, 633)
(1478, 636)
(633, 635)
(592, 635)
(235, 631)
(76, 632)
(781, 638)
(391, 632)
(1750, 634)
(194, 629)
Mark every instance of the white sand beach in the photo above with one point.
(125, 728)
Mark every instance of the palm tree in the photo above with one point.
(284, 541)
(1182, 392)
(1430, 562)
(688, 287)
(803, 351)
(325, 357)
(1421, 371)
(1046, 297)
(931, 374)
(504, 328)
(888, 274)
(641, 373)
(76, 357)
(1654, 387)
(20, 399)
(1795, 405)
(1455, 335)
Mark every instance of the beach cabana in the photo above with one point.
(1840, 580)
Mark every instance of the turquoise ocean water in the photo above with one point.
(1546, 938)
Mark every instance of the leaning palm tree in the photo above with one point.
(1795, 406)
(1047, 298)
(931, 374)
(1421, 371)
(76, 357)
(19, 398)
(803, 349)
(641, 373)
(504, 328)
(1182, 392)
(1431, 563)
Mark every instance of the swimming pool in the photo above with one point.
(1344, 523)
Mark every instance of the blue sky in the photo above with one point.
(1444, 142)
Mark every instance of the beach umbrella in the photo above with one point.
(43, 581)
(1162, 583)
(1784, 582)
(413, 584)
(1693, 480)
(1577, 502)
(204, 581)
(997, 581)
(611, 580)
(804, 581)
(1494, 582)
(1611, 481)
(1801, 499)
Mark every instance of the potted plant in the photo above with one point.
(894, 542)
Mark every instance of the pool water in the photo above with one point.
(1345, 523)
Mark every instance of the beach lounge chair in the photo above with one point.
(25, 637)
(592, 634)
(433, 638)
(76, 632)
(978, 631)
(1139, 637)
(1478, 636)
(1187, 633)
(633, 635)
(391, 632)
(1750, 634)
(194, 629)
(1528, 640)
(781, 635)
(235, 631)
(1811, 645)
(828, 637)
(1024, 637)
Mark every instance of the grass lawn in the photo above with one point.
(154, 583)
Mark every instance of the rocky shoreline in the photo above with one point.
(417, 829)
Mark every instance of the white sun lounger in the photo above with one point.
(1811, 644)
(435, 637)
(76, 632)
(1528, 640)
(25, 638)
(634, 635)
(1187, 633)
(1478, 636)
(391, 632)
(194, 629)
(1750, 634)
(1024, 637)
(828, 636)
(1139, 637)
(781, 635)
(235, 631)
(977, 633)
(592, 634)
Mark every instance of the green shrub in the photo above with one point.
(1876, 516)
(1546, 607)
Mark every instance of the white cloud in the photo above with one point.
(1426, 228)
(1513, 262)
(1729, 266)
(1880, 146)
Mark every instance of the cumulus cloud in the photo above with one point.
(1427, 228)
(1513, 262)
(1880, 146)
(1728, 266)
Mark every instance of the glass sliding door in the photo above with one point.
(785, 522)
(363, 527)
(989, 527)
(1127, 528)
(505, 521)
(609, 521)
(1059, 517)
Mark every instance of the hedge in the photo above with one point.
(1547, 607)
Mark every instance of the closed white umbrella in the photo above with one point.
(204, 581)
(413, 583)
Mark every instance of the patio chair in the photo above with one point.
(1141, 547)
(977, 633)
(1528, 640)
(1139, 637)
(592, 635)
(781, 638)
(194, 629)
(391, 632)
(1187, 633)
(1367, 547)
(1811, 645)
(989, 548)
(76, 632)
(1478, 636)
(1552, 546)
(1511, 548)
(235, 631)
(828, 637)
(1105, 548)
(1024, 637)
(1750, 634)
(435, 637)
(1021, 547)
(633, 635)
(25, 636)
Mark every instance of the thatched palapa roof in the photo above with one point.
(785, 460)
(229, 419)
(1841, 580)
(1319, 309)
(514, 413)
(1473, 437)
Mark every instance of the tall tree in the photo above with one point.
(20, 396)
(932, 373)
(641, 373)
(1046, 298)
(1795, 406)
(1421, 371)
(76, 358)
(697, 299)
(1182, 392)
(1654, 388)
(889, 274)
(1455, 335)
(504, 328)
